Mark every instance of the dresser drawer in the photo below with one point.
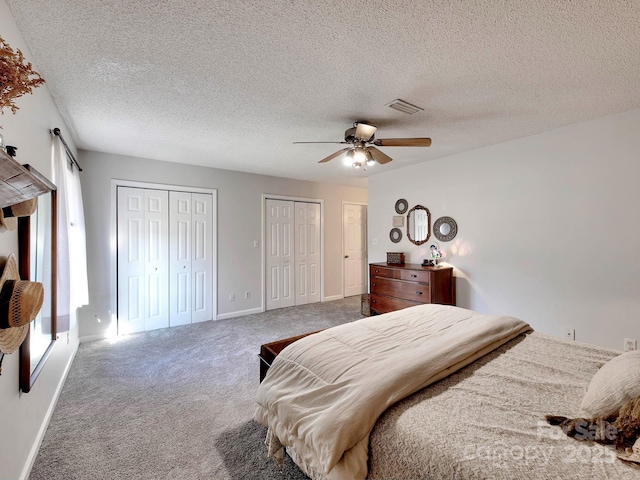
(417, 292)
(415, 276)
(382, 304)
(378, 271)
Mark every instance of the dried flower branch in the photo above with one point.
(16, 77)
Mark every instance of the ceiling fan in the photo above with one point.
(361, 151)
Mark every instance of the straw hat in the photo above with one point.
(20, 302)
(9, 215)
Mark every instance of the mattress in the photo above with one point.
(487, 420)
(323, 393)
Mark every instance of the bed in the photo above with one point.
(481, 415)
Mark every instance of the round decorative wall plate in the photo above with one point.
(401, 206)
(445, 229)
(395, 235)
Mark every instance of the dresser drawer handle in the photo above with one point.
(373, 301)
(373, 284)
(377, 271)
(419, 293)
(414, 276)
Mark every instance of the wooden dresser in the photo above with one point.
(394, 287)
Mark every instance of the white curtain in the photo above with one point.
(72, 282)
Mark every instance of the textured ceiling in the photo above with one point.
(231, 84)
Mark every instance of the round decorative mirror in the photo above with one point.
(395, 235)
(401, 206)
(418, 225)
(445, 229)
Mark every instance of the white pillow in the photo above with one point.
(616, 383)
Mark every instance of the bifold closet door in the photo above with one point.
(143, 265)
(307, 252)
(279, 257)
(191, 262)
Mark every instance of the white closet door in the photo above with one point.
(313, 253)
(307, 252)
(157, 258)
(180, 241)
(142, 259)
(279, 244)
(302, 234)
(131, 260)
(202, 257)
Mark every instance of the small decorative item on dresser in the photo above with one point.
(395, 258)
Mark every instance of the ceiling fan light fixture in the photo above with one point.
(360, 155)
(348, 159)
(370, 160)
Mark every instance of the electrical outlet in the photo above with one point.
(232, 297)
(374, 241)
(247, 294)
(570, 333)
(630, 344)
(256, 243)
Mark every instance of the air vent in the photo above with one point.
(403, 106)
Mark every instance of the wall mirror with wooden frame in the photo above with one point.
(418, 225)
(37, 237)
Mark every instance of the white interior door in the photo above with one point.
(279, 258)
(191, 257)
(307, 252)
(131, 271)
(202, 257)
(354, 219)
(165, 258)
(180, 283)
(157, 265)
(142, 259)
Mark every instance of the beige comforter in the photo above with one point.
(324, 393)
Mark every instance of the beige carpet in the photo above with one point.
(175, 403)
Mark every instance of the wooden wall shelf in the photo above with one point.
(19, 183)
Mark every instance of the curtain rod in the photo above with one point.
(56, 131)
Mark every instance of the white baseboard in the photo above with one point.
(26, 471)
(239, 313)
(332, 298)
(93, 338)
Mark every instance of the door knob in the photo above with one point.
(346, 256)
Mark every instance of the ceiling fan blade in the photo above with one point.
(322, 142)
(364, 132)
(378, 156)
(333, 155)
(403, 142)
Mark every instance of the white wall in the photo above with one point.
(239, 224)
(548, 226)
(22, 416)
